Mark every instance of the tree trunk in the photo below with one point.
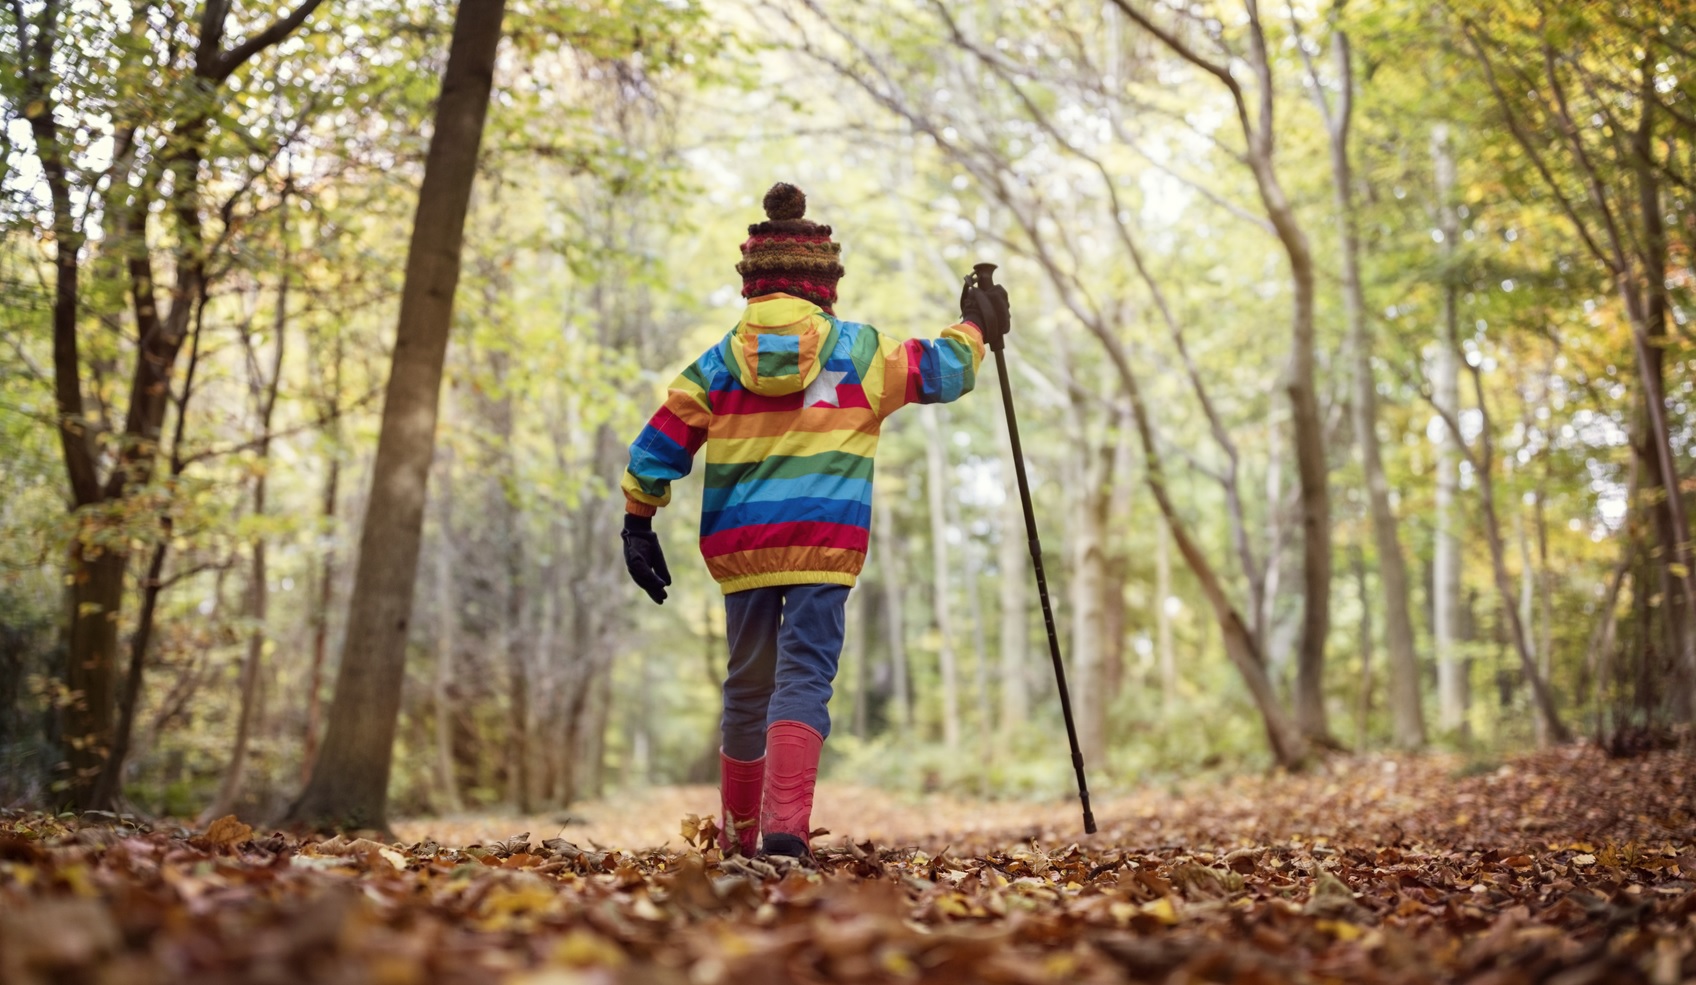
(936, 482)
(1163, 600)
(889, 566)
(1406, 718)
(1527, 612)
(447, 624)
(859, 626)
(1311, 469)
(1551, 728)
(349, 785)
(1306, 423)
(109, 787)
(1452, 686)
(264, 390)
(258, 601)
(969, 568)
(1288, 742)
(95, 593)
(1012, 559)
(321, 619)
(1650, 340)
(1363, 709)
(1088, 585)
(329, 410)
(515, 644)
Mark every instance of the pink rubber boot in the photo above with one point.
(739, 794)
(792, 768)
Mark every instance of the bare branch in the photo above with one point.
(222, 66)
(1517, 126)
(312, 425)
(1318, 90)
(1260, 222)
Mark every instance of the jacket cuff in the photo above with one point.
(633, 508)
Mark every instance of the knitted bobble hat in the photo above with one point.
(788, 254)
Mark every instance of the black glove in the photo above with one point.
(987, 308)
(643, 557)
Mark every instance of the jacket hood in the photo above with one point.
(780, 345)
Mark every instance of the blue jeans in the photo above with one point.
(784, 645)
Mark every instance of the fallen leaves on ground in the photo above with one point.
(1565, 868)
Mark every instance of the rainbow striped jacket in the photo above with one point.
(789, 406)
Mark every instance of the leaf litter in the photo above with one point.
(1564, 868)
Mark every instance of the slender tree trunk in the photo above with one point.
(894, 592)
(447, 625)
(109, 787)
(1273, 581)
(1088, 584)
(1452, 686)
(936, 483)
(349, 785)
(95, 593)
(1288, 742)
(321, 617)
(1363, 709)
(1311, 472)
(1552, 728)
(258, 602)
(600, 712)
(329, 410)
(1163, 599)
(1013, 561)
(515, 645)
(1527, 612)
(1306, 423)
(859, 631)
(969, 569)
(1406, 718)
(264, 390)
(1545, 584)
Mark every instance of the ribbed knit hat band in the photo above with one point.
(788, 254)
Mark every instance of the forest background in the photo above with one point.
(1351, 344)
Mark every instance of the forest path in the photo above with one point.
(641, 819)
(1547, 798)
(1564, 867)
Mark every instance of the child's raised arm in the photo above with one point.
(929, 371)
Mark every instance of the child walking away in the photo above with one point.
(789, 406)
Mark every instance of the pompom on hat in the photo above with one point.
(788, 254)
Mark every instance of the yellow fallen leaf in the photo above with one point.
(953, 905)
(515, 906)
(582, 948)
(1340, 929)
(1585, 859)
(1161, 910)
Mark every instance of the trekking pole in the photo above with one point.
(985, 273)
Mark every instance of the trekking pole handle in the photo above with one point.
(984, 274)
